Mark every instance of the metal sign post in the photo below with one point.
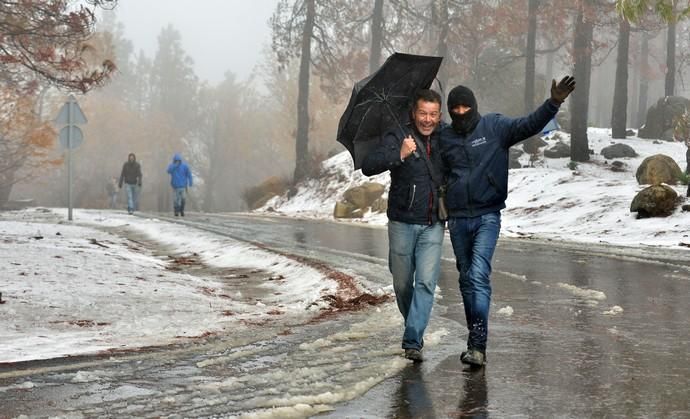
(70, 137)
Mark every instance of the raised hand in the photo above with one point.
(561, 90)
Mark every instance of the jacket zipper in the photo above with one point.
(471, 164)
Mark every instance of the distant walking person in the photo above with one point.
(131, 178)
(180, 180)
(111, 189)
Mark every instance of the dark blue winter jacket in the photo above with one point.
(180, 175)
(477, 164)
(412, 197)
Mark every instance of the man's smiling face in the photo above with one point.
(427, 116)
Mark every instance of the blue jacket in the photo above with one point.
(477, 164)
(180, 175)
(413, 197)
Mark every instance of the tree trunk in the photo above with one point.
(582, 50)
(634, 92)
(619, 113)
(6, 184)
(644, 81)
(214, 170)
(302, 159)
(530, 54)
(376, 36)
(670, 84)
(442, 24)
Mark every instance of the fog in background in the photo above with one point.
(203, 78)
(219, 35)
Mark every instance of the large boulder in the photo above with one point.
(533, 144)
(364, 195)
(617, 166)
(513, 161)
(618, 150)
(557, 151)
(658, 169)
(256, 196)
(660, 117)
(345, 209)
(655, 201)
(380, 205)
(356, 200)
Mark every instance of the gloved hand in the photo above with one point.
(561, 90)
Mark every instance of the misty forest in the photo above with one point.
(277, 125)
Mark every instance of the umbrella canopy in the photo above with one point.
(381, 101)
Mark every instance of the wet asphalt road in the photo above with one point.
(575, 331)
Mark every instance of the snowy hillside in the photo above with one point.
(550, 201)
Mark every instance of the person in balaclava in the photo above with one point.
(180, 180)
(475, 153)
(130, 177)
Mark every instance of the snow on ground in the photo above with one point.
(82, 289)
(590, 204)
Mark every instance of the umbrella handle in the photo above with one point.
(397, 121)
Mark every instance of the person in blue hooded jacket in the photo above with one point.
(475, 152)
(180, 180)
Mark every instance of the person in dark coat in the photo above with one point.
(415, 233)
(475, 151)
(131, 178)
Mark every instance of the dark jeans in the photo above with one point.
(474, 241)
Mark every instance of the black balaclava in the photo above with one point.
(463, 124)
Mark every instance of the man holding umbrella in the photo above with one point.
(415, 233)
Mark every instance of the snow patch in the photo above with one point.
(583, 293)
(614, 310)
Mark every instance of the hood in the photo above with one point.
(463, 124)
(176, 157)
(133, 156)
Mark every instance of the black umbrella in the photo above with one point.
(381, 101)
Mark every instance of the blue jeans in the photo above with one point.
(132, 197)
(414, 259)
(474, 241)
(179, 200)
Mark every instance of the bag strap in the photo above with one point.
(427, 161)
